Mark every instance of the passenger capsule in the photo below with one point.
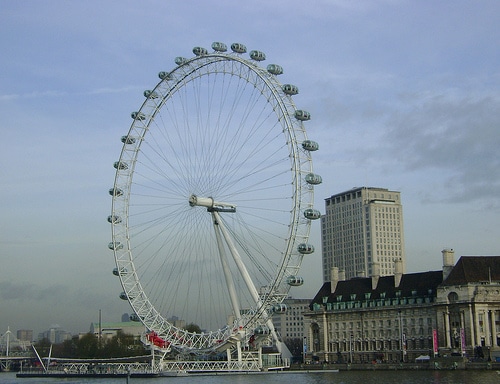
(290, 89)
(164, 75)
(120, 165)
(262, 330)
(179, 60)
(302, 115)
(275, 69)
(138, 116)
(279, 308)
(115, 245)
(122, 272)
(150, 94)
(219, 47)
(114, 219)
(295, 281)
(123, 296)
(313, 178)
(238, 48)
(312, 214)
(199, 51)
(116, 192)
(257, 55)
(134, 317)
(310, 145)
(128, 140)
(305, 248)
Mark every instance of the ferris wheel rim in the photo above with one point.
(135, 293)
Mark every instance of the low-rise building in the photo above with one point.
(468, 308)
(107, 330)
(404, 316)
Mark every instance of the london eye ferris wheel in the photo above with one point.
(212, 200)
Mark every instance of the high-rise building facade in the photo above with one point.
(362, 231)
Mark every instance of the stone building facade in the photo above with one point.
(404, 316)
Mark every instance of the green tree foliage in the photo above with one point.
(193, 328)
(89, 346)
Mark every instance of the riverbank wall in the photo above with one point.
(445, 363)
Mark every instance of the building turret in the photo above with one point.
(334, 278)
(375, 274)
(448, 261)
(398, 271)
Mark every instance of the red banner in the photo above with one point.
(435, 341)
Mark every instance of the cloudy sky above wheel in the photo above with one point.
(403, 95)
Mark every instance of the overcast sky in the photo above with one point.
(403, 95)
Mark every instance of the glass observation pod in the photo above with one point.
(310, 145)
(305, 248)
(295, 281)
(302, 115)
(219, 47)
(238, 48)
(123, 296)
(257, 55)
(312, 214)
(164, 75)
(149, 94)
(179, 60)
(199, 51)
(279, 308)
(120, 165)
(313, 178)
(134, 317)
(115, 245)
(262, 330)
(114, 219)
(290, 89)
(128, 140)
(138, 116)
(123, 271)
(275, 69)
(115, 192)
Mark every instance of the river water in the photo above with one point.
(342, 377)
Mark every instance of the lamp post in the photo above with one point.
(304, 349)
(401, 336)
(350, 348)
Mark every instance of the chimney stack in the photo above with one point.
(334, 278)
(341, 274)
(398, 271)
(448, 261)
(375, 274)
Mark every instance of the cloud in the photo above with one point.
(29, 291)
(455, 134)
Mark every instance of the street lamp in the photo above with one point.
(401, 336)
(350, 348)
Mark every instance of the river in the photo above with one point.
(342, 377)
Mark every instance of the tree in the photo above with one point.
(193, 328)
(88, 346)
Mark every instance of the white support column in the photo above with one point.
(491, 327)
(447, 328)
(494, 329)
(472, 328)
(226, 269)
(478, 329)
(486, 320)
(238, 346)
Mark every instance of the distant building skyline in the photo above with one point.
(362, 233)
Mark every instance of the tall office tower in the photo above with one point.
(362, 233)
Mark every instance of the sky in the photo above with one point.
(403, 95)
